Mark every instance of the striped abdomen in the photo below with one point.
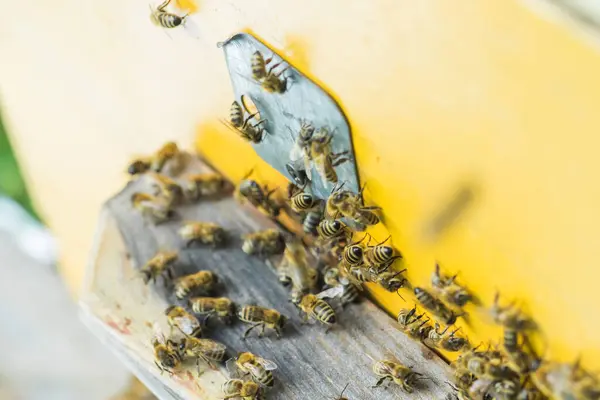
(168, 20)
(259, 70)
(323, 312)
(426, 299)
(251, 314)
(350, 294)
(302, 202)
(331, 229)
(311, 222)
(236, 115)
(353, 254)
(366, 217)
(261, 375)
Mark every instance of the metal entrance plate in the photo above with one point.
(303, 100)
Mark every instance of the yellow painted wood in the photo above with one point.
(437, 94)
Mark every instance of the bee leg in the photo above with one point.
(248, 330)
(163, 5)
(380, 381)
(262, 330)
(339, 161)
(159, 367)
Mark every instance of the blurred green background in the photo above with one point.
(11, 180)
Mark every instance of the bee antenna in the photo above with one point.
(398, 293)
(343, 390)
(249, 173)
(388, 238)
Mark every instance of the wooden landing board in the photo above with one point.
(312, 365)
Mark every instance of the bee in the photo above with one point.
(221, 307)
(165, 19)
(265, 243)
(324, 159)
(301, 149)
(250, 190)
(446, 342)
(295, 268)
(316, 309)
(311, 222)
(505, 389)
(257, 367)
(518, 358)
(208, 350)
(248, 390)
(412, 324)
(168, 156)
(350, 206)
(202, 232)
(449, 289)
(139, 166)
(203, 281)
(243, 126)
(353, 254)
(331, 229)
(160, 265)
(204, 185)
(378, 258)
(510, 317)
(391, 281)
(269, 80)
(302, 201)
(263, 318)
(167, 188)
(166, 356)
(395, 372)
(350, 294)
(436, 306)
(489, 365)
(155, 209)
(185, 322)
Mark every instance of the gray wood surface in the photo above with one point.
(312, 364)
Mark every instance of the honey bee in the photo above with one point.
(302, 201)
(221, 307)
(139, 166)
(165, 19)
(204, 185)
(257, 367)
(391, 281)
(395, 372)
(154, 209)
(185, 322)
(295, 268)
(249, 190)
(324, 159)
(168, 156)
(510, 317)
(446, 342)
(412, 324)
(331, 229)
(350, 206)
(301, 150)
(243, 126)
(203, 281)
(167, 188)
(166, 356)
(379, 258)
(208, 350)
(316, 309)
(436, 306)
(518, 358)
(505, 389)
(202, 232)
(311, 222)
(353, 254)
(263, 318)
(160, 265)
(264, 243)
(449, 289)
(248, 390)
(269, 80)
(488, 365)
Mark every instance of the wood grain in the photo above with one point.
(312, 364)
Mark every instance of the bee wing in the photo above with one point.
(296, 152)
(187, 324)
(307, 164)
(332, 292)
(232, 368)
(157, 333)
(208, 344)
(268, 364)
(191, 28)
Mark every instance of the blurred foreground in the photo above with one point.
(45, 352)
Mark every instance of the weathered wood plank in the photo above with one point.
(312, 364)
